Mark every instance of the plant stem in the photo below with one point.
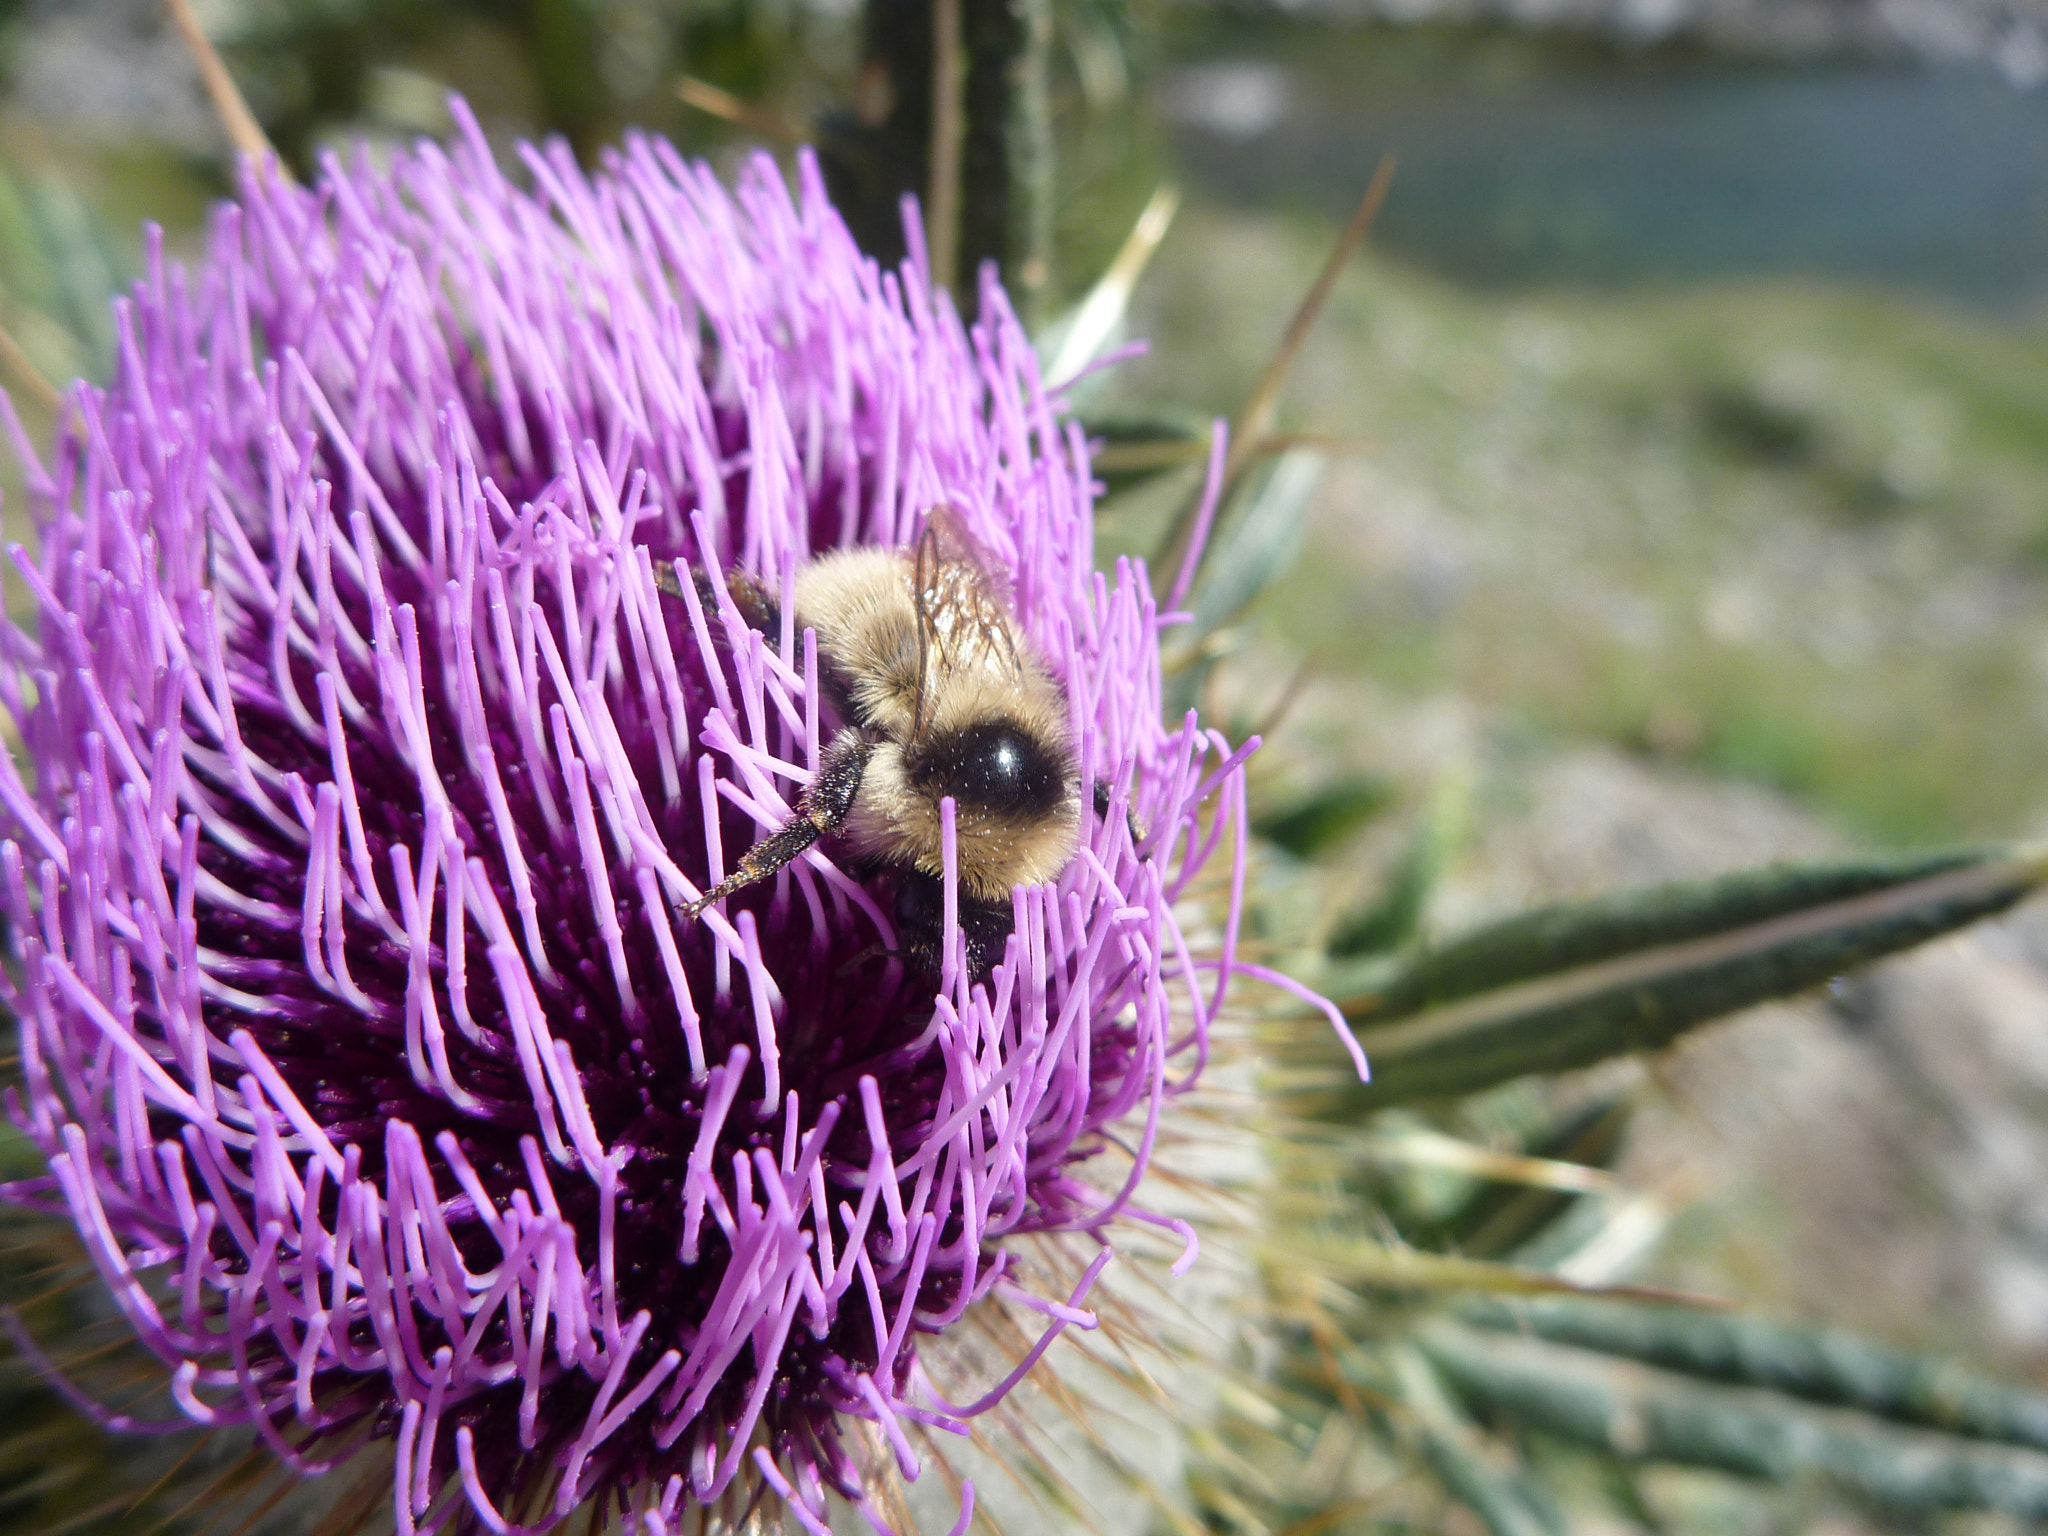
(943, 192)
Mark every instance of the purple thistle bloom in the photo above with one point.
(364, 769)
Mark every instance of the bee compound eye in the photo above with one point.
(999, 766)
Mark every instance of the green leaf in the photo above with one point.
(1258, 539)
(1571, 985)
(1366, 1265)
(1394, 917)
(1506, 1502)
(1075, 339)
(1312, 823)
(1822, 1365)
(1636, 1414)
(84, 264)
(1259, 534)
(1501, 1217)
(1134, 446)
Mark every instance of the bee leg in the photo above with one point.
(822, 809)
(762, 614)
(756, 606)
(1131, 821)
(668, 577)
(760, 610)
(861, 959)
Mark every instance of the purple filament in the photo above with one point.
(363, 770)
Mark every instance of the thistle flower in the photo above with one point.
(364, 769)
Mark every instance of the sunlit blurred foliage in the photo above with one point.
(58, 264)
(318, 72)
(581, 68)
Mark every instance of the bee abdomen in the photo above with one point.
(985, 926)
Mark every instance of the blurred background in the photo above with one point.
(1662, 490)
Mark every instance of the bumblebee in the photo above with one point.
(939, 693)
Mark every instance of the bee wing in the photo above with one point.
(963, 608)
(950, 541)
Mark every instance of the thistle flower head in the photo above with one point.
(364, 769)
